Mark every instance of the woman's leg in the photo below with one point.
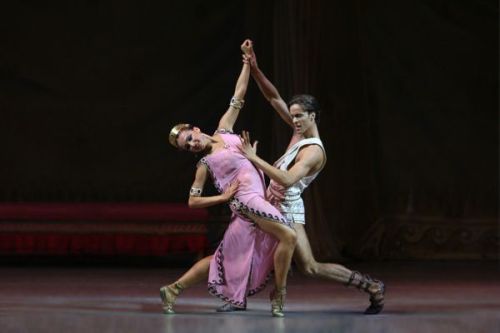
(283, 254)
(287, 238)
(195, 274)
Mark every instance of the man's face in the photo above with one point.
(302, 120)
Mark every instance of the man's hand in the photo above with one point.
(248, 150)
(250, 60)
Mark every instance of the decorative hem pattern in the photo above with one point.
(212, 285)
(245, 210)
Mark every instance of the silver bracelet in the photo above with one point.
(195, 192)
(236, 103)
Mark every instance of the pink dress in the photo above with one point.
(243, 261)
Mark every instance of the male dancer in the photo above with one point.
(293, 172)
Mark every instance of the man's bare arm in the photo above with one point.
(266, 87)
(309, 159)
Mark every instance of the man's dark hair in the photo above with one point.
(308, 103)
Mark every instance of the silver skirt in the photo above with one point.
(292, 210)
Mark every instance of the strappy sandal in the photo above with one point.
(277, 297)
(365, 283)
(168, 296)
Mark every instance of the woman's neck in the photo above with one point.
(214, 144)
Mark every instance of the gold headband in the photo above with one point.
(174, 133)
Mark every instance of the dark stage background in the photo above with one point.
(90, 89)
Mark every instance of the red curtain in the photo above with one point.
(99, 244)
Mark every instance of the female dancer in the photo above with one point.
(257, 238)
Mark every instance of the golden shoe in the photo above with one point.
(277, 298)
(168, 296)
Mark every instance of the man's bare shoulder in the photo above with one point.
(312, 155)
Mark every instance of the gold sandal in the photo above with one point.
(168, 296)
(277, 298)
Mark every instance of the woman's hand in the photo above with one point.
(249, 56)
(247, 149)
(230, 191)
(246, 47)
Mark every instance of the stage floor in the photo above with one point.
(421, 297)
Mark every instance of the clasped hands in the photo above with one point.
(248, 53)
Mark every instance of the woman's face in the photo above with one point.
(192, 140)
(302, 120)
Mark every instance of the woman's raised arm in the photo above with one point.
(229, 118)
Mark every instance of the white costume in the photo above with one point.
(288, 200)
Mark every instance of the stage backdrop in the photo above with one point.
(90, 89)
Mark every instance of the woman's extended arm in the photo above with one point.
(195, 198)
(229, 118)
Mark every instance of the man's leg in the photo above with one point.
(308, 265)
